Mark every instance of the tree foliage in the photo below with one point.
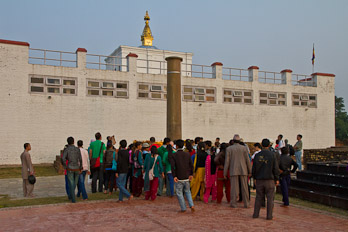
(341, 119)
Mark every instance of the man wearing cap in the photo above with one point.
(146, 149)
(27, 170)
(239, 166)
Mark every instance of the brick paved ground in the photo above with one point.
(162, 215)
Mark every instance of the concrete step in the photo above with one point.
(318, 197)
(320, 187)
(336, 179)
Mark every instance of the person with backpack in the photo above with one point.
(153, 170)
(72, 162)
(108, 160)
(122, 170)
(137, 167)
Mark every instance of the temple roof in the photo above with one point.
(146, 37)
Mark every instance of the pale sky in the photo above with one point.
(272, 34)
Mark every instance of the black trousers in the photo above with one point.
(109, 180)
(97, 174)
(264, 187)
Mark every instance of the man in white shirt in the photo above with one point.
(85, 170)
(281, 144)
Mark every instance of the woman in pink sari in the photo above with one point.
(210, 178)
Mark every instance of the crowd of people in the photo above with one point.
(195, 169)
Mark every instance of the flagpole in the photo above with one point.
(313, 57)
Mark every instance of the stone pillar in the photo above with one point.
(132, 62)
(253, 73)
(174, 124)
(286, 77)
(81, 57)
(217, 70)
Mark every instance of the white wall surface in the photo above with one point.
(46, 123)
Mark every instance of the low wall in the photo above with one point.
(325, 155)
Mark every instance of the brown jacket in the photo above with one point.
(27, 166)
(237, 161)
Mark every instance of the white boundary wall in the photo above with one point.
(47, 122)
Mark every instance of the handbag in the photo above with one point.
(151, 175)
(95, 162)
(114, 163)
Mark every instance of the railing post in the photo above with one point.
(217, 70)
(132, 62)
(81, 57)
(253, 73)
(286, 77)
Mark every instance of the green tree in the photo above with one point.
(341, 119)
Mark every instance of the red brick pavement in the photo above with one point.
(162, 215)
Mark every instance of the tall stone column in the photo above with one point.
(174, 124)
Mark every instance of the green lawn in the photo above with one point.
(16, 172)
(6, 202)
(311, 205)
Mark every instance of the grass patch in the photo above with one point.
(311, 205)
(6, 201)
(16, 172)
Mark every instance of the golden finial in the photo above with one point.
(146, 37)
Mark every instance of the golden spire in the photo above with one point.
(146, 37)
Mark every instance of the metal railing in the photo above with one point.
(270, 77)
(235, 74)
(101, 62)
(200, 71)
(302, 80)
(151, 66)
(52, 57)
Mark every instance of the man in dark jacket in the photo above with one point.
(182, 171)
(72, 154)
(265, 172)
(122, 170)
(285, 168)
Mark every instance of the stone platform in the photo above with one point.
(325, 183)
